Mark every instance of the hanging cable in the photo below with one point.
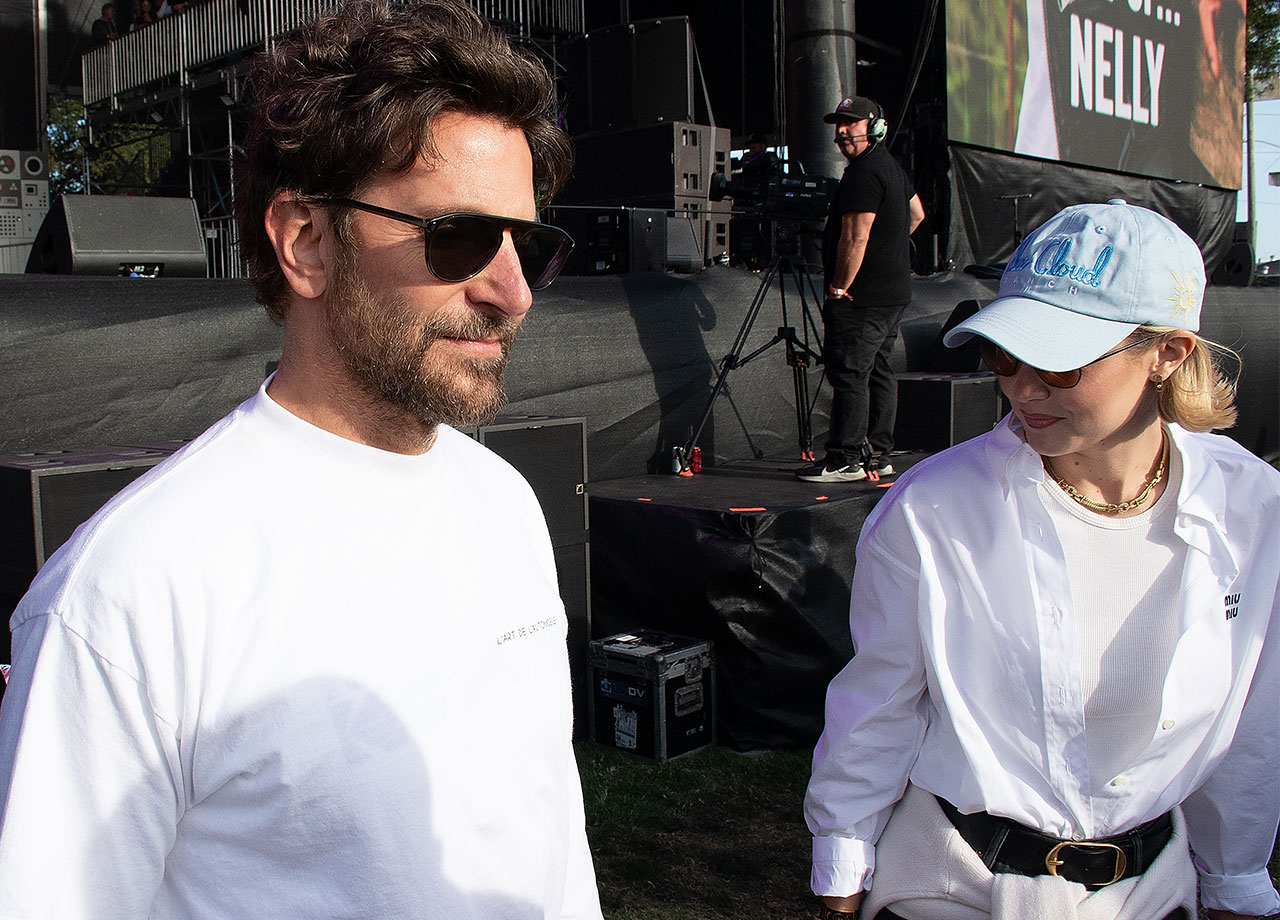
(917, 64)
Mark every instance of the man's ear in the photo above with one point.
(303, 240)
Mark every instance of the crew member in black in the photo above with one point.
(751, 232)
(760, 166)
(866, 257)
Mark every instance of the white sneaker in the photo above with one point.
(881, 465)
(819, 472)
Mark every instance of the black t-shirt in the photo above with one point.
(757, 172)
(875, 182)
(102, 31)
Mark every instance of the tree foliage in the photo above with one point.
(123, 156)
(1262, 46)
(66, 147)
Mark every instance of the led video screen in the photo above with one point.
(1136, 86)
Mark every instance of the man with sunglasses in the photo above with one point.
(1066, 630)
(314, 665)
(866, 260)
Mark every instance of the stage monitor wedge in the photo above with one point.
(1237, 267)
(120, 235)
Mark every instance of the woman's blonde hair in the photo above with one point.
(1201, 394)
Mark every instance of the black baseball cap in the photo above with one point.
(853, 109)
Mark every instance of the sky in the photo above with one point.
(1266, 159)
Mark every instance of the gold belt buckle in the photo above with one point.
(1052, 862)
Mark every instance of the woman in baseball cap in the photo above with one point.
(1066, 669)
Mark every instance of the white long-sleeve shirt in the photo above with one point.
(967, 681)
(287, 675)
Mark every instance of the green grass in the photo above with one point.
(711, 835)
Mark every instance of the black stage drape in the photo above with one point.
(87, 362)
(983, 218)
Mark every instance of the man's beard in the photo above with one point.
(387, 349)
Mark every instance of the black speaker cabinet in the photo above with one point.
(551, 453)
(44, 497)
(632, 74)
(936, 411)
(697, 233)
(1237, 267)
(648, 165)
(964, 359)
(610, 241)
(21, 119)
(120, 235)
(687, 241)
(573, 569)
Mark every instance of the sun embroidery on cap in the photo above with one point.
(1184, 295)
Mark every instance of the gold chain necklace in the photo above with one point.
(1112, 507)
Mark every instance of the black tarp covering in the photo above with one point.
(86, 362)
(982, 223)
(767, 583)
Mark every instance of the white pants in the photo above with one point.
(926, 871)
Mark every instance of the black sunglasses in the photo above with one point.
(461, 245)
(999, 361)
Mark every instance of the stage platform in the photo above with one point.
(749, 557)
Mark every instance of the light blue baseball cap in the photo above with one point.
(1082, 282)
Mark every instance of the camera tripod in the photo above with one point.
(798, 352)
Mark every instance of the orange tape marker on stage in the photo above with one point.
(748, 509)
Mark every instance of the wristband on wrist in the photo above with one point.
(838, 292)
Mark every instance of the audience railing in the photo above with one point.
(178, 46)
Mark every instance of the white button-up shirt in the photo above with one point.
(967, 678)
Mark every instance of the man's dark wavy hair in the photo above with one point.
(356, 92)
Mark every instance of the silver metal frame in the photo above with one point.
(179, 46)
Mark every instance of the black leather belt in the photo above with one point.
(1007, 846)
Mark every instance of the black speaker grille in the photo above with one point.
(550, 453)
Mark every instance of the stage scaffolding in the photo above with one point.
(177, 49)
(184, 74)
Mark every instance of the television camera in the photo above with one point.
(784, 196)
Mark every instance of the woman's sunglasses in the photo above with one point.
(999, 361)
(460, 245)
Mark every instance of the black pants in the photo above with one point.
(887, 914)
(856, 345)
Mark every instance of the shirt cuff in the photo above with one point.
(1251, 894)
(842, 866)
